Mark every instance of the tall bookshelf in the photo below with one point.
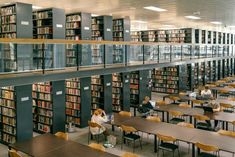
(49, 106)
(136, 36)
(166, 80)
(78, 101)
(48, 24)
(102, 29)
(16, 22)
(120, 92)
(139, 86)
(15, 108)
(121, 32)
(78, 27)
(101, 92)
(214, 71)
(184, 77)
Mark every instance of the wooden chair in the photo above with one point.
(128, 154)
(168, 143)
(177, 117)
(227, 107)
(174, 99)
(154, 119)
(187, 125)
(198, 102)
(125, 113)
(182, 93)
(224, 93)
(99, 132)
(130, 134)
(208, 149)
(97, 147)
(62, 135)
(185, 105)
(201, 122)
(227, 133)
(159, 103)
(14, 153)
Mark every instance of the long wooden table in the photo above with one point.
(48, 145)
(190, 135)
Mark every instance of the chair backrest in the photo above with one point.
(175, 113)
(226, 106)
(13, 153)
(97, 147)
(166, 138)
(185, 105)
(223, 91)
(128, 154)
(201, 117)
(187, 125)
(174, 98)
(93, 125)
(154, 118)
(198, 102)
(207, 148)
(125, 113)
(128, 129)
(182, 93)
(227, 133)
(62, 135)
(161, 103)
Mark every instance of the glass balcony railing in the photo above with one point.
(26, 55)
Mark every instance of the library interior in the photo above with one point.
(117, 78)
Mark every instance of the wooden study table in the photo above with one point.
(48, 145)
(191, 135)
(216, 89)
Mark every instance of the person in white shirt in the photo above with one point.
(100, 118)
(206, 92)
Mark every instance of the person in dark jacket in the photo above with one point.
(146, 106)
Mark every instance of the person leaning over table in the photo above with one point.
(100, 118)
(206, 92)
(145, 107)
(216, 108)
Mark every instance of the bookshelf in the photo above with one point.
(121, 32)
(136, 36)
(220, 71)
(14, 104)
(78, 101)
(201, 74)
(214, 71)
(134, 88)
(78, 27)
(101, 92)
(196, 75)
(16, 22)
(208, 72)
(184, 77)
(48, 24)
(49, 106)
(166, 80)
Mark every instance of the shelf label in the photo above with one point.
(59, 93)
(141, 78)
(127, 31)
(108, 84)
(108, 30)
(59, 25)
(126, 81)
(26, 23)
(86, 88)
(86, 28)
(25, 98)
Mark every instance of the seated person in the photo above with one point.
(216, 108)
(206, 93)
(146, 106)
(100, 118)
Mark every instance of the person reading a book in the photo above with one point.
(146, 106)
(206, 93)
(100, 118)
(215, 108)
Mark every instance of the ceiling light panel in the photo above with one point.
(153, 8)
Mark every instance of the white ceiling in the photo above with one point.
(210, 10)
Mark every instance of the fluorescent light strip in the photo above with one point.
(94, 15)
(193, 17)
(231, 26)
(138, 21)
(216, 22)
(153, 8)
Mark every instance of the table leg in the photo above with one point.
(226, 125)
(134, 111)
(155, 143)
(193, 150)
(163, 116)
(167, 116)
(113, 128)
(223, 125)
(191, 119)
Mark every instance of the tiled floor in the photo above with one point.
(81, 136)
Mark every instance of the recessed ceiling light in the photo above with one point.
(168, 25)
(36, 7)
(138, 21)
(216, 22)
(7, 3)
(155, 8)
(94, 15)
(193, 17)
